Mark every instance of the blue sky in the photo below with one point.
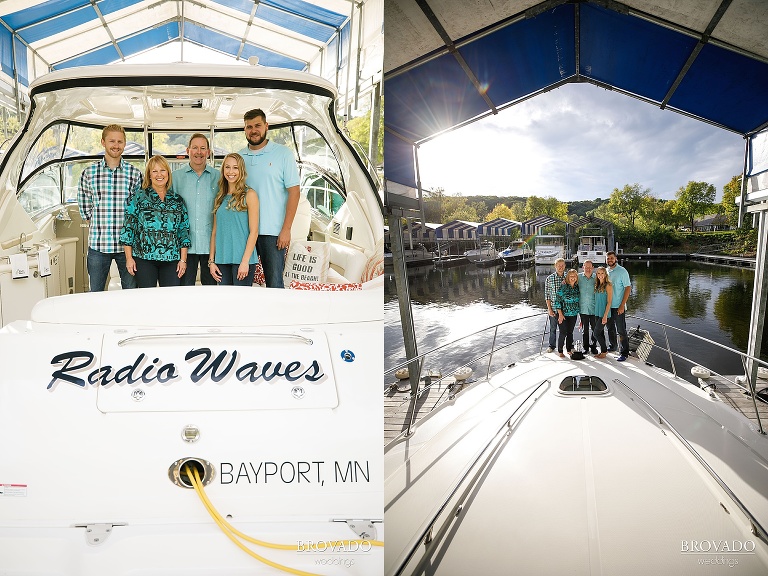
(579, 142)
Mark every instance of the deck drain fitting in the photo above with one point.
(178, 475)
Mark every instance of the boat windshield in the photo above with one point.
(52, 168)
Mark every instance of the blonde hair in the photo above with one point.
(237, 201)
(147, 182)
(112, 128)
(574, 272)
(602, 286)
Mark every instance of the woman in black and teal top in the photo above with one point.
(567, 308)
(235, 226)
(156, 229)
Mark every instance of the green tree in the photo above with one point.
(629, 202)
(518, 211)
(457, 208)
(433, 205)
(731, 191)
(695, 199)
(481, 210)
(359, 130)
(500, 211)
(663, 213)
(547, 206)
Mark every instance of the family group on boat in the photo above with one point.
(600, 300)
(159, 228)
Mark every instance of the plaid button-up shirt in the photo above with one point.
(552, 285)
(101, 196)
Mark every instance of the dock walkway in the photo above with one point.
(737, 261)
(739, 400)
(397, 403)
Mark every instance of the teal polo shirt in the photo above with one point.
(587, 294)
(198, 193)
(270, 172)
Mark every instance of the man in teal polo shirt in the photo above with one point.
(273, 174)
(197, 183)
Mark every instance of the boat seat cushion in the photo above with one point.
(374, 267)
(348, 262)
(306, 261)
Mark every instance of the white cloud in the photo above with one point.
(580, 142)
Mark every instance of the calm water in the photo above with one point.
(708, 300)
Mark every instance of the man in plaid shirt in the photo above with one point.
(552, 285)
(102, 192)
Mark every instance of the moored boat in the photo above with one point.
(485, 254)
(548, 248)
(592, 248)
(517, 250)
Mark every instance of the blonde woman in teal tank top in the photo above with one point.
(235, 226)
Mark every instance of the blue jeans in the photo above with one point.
(190, 276)
(98, 270)
(272, 260)
(617, 324)
(229, 275)
(552, 331)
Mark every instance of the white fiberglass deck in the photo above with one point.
(581, 485)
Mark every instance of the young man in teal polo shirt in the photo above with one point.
(273, 174)
(197, 184)
(617, 323)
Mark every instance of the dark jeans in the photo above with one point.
(617, 324)
(190, 276)
(588, 322)
(272, 260)
(229, 275)
(150, 272)
(566, 333)
(98, 270)
(598, 332)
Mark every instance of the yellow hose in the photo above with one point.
(230, 531)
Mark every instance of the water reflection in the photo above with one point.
(708, 300)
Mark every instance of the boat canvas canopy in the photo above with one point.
(457, 229)
(534, 225)
(448, 64)
(66, 33)
(497, 227)
(420, 231)
(339, 40)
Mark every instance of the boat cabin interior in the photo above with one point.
(62, 135)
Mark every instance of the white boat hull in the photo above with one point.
(548, 255)
(103, 386)
(511, 468)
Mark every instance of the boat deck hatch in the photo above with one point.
(582, 384)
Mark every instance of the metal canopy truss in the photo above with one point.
(450, 63)
(584, 220)
(340, 40)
